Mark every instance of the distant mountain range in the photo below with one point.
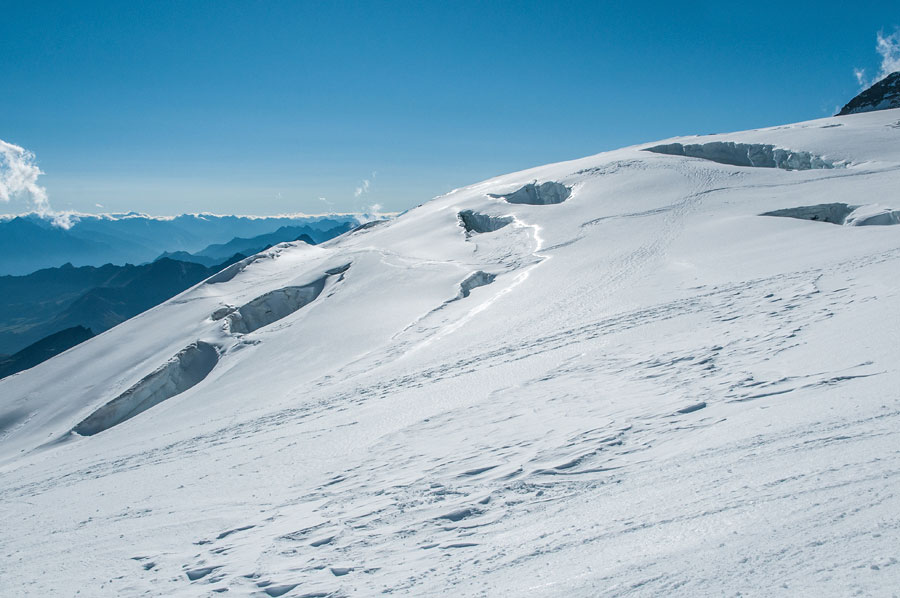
(30, 242)
(43, 350)
(51, 310)
(48, 301)
(216, 253)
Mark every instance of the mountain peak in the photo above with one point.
(882, 96)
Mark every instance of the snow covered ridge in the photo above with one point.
(618, 375)
(884, 95)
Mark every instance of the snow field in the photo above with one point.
(645, 389)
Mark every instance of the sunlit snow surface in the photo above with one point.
(650, 389)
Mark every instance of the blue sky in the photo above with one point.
(265, 107)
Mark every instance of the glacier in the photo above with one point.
(614, 376)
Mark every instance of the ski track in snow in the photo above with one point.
(658, 393)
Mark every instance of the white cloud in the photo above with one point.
(19, 174)
(364, 188)
(18, 179)
(888, 47)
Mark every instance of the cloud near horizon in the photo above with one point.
(364, 187)
(18, 179)
(888, 47)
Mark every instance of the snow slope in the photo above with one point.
(627, 382)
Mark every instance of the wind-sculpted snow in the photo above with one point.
(189, 367)
(841, 214)
(227, 274)
(745, 154)
(474, 222)
(539, 195)
(10, 420)
(337, 270)
(368, 226)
